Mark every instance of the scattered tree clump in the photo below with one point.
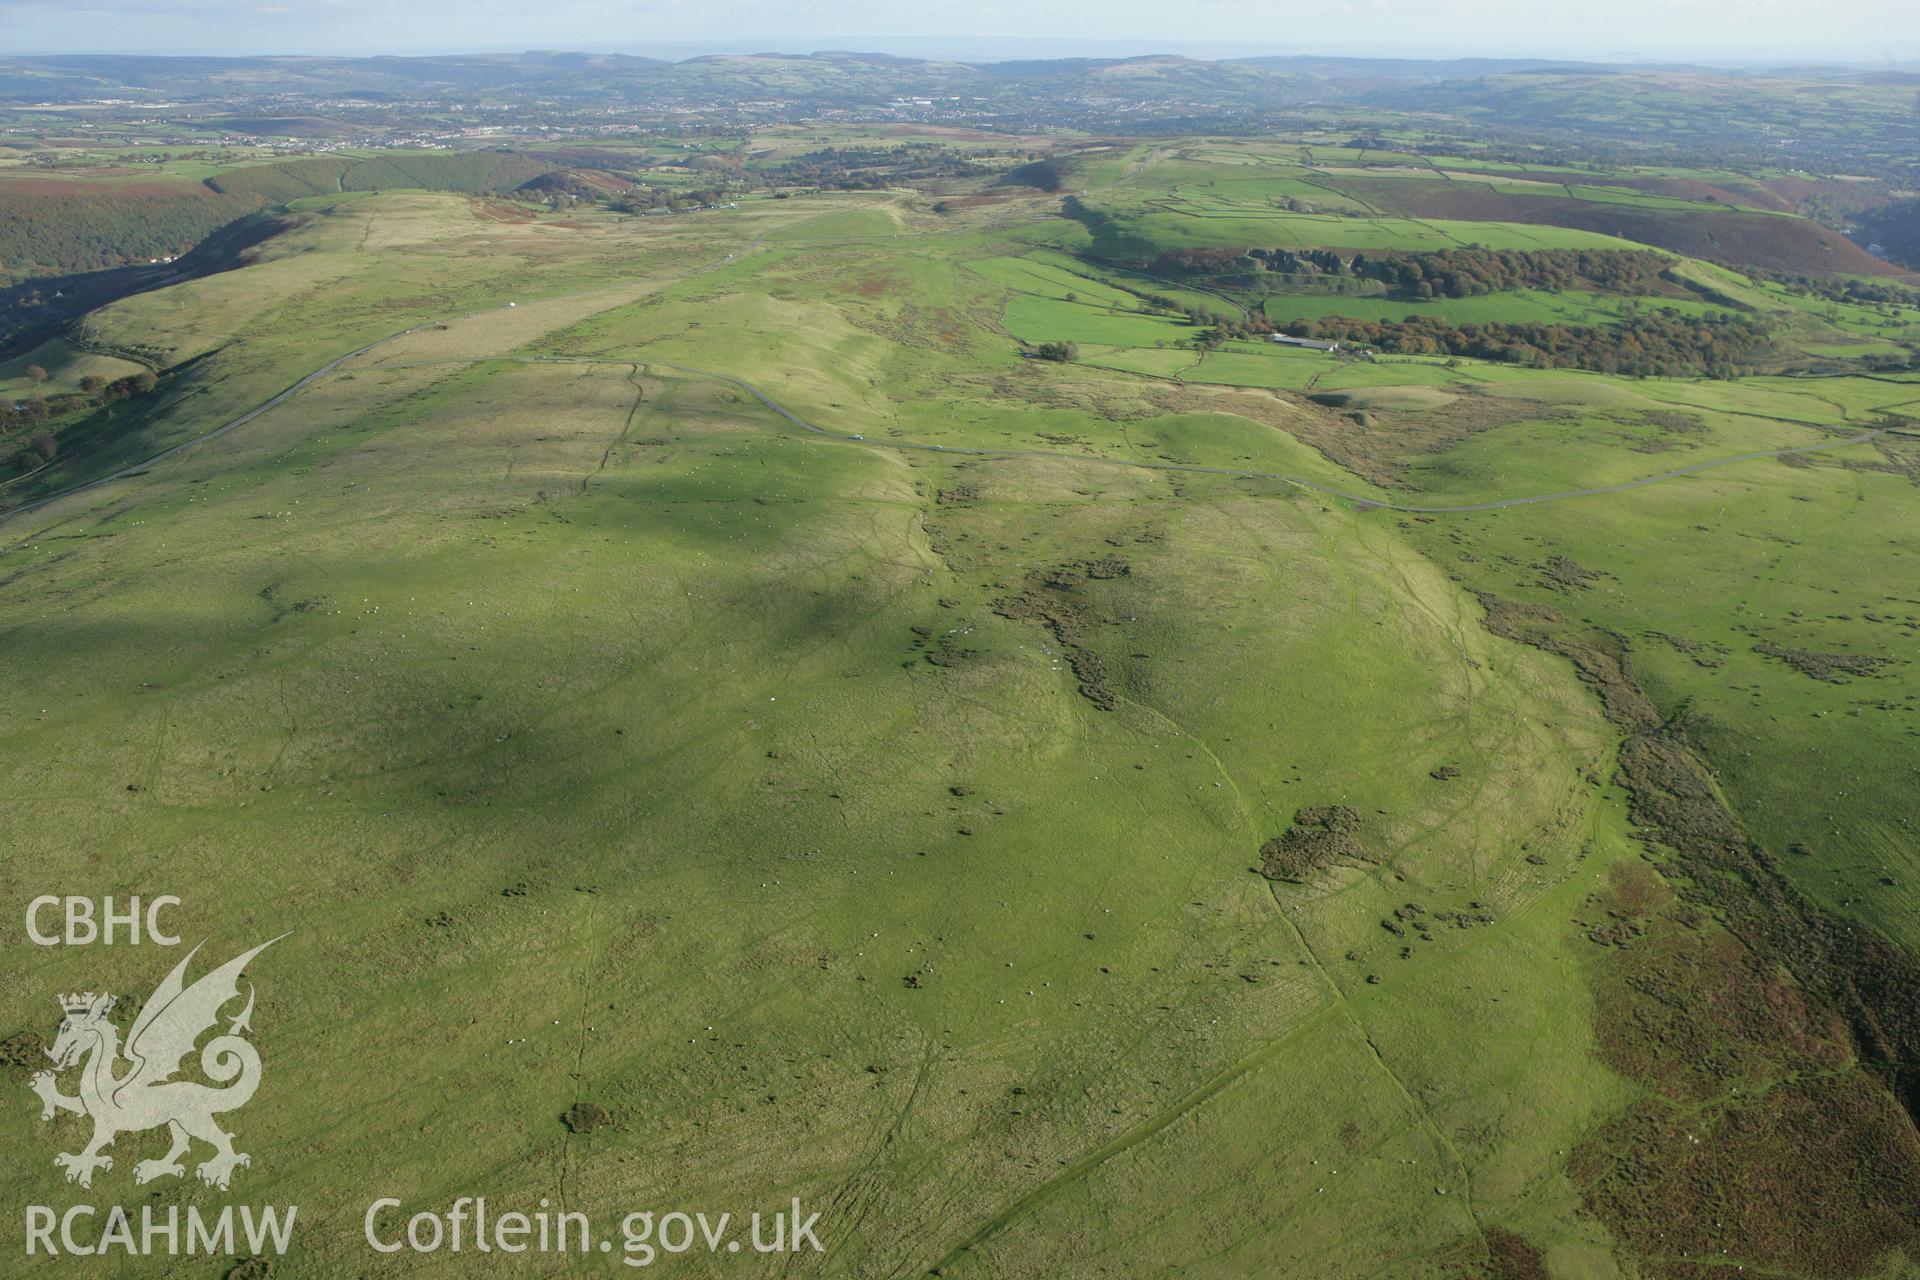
(1445, 273)
(641, 198)
(870, 168)
(1661, 343)
(1564, 573)
(948, 654)
(1833, 667)
(1320, 835)
(1851, 289)
(1055, 611)
(39, 447)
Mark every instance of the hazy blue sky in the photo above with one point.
(1718, 30)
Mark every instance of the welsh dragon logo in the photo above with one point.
(143, 1093)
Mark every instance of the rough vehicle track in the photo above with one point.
(281, 398)
(1359, 501)
(138, 468)
(1362, 502)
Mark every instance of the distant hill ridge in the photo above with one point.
(54, 77)
(53, 233)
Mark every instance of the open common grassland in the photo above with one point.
(866, 799)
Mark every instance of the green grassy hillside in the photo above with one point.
(1156, 812)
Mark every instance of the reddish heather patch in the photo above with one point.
(1762, 1134)
(1694, 189)
(1743, 239)
(971, 202)
(1514, 1257)
(10, 185)
(501, 211)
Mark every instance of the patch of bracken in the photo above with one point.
(1834, 667)
(1320, 836)
(24, 1051)
(1748, 1013)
